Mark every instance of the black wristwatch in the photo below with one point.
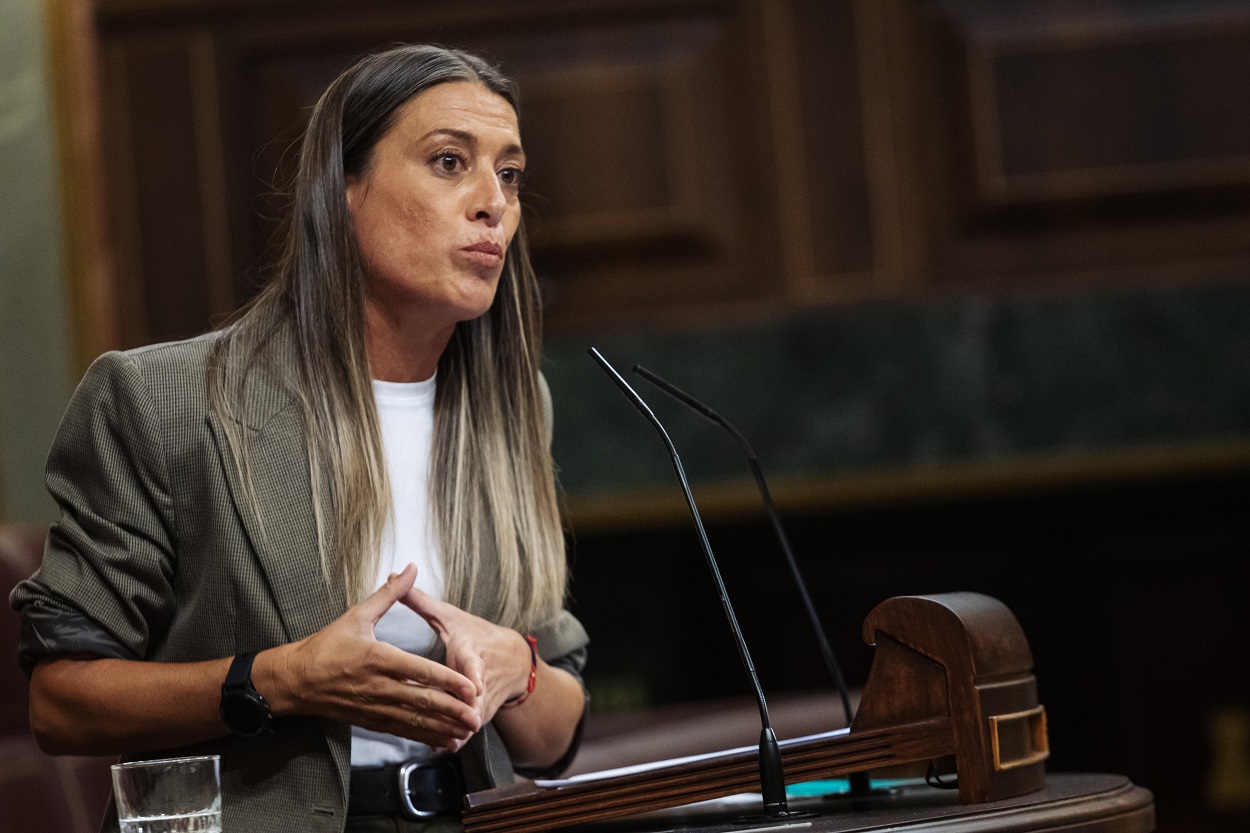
(243, 708)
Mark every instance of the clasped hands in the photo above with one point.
(344, 673)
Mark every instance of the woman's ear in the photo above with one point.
(352, 187)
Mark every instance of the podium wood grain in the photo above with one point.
(528, 807)
(951, 679)
(1068, 803)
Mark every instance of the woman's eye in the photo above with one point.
(512, 177)
(448, 163)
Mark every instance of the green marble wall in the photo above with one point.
(898, 386)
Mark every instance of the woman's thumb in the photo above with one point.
(397, 585)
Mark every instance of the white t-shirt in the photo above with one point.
(406, 416)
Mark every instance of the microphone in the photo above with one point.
(858, 781)
(772, 776)
(831, 661)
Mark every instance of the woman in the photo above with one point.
(365, 448)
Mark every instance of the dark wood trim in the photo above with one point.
(73, 47)
(662, 507)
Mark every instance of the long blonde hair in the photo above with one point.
(491, 477)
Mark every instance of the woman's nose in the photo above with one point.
(488, 200)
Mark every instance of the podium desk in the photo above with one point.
(1071, 803)
(951, 689)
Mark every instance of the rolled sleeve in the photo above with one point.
(105, 586)
(48, 630)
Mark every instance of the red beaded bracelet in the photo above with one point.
(529, 688)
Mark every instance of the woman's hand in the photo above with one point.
(537, 733)
(344, 673)
(100, 706)
(496, 659)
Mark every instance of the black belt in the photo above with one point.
(414, 790)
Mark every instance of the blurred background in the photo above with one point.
(972, 276)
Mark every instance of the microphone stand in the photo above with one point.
(859, 782)
(772, 776)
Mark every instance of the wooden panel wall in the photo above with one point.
(711, 160)
(1052, 144)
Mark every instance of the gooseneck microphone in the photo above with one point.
(859, 782)
(772, 776)
(831, 662)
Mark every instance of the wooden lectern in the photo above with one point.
(951, 681)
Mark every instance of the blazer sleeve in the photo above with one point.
(105, 586)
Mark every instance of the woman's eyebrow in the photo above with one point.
(464, 136)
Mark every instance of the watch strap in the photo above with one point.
(239, 677)
(238, 689)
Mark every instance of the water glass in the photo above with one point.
(175, 795)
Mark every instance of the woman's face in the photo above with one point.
(438, 205)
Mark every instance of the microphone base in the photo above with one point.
(779, 818)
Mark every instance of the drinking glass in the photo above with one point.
(174, 795)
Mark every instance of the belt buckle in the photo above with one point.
(405, 797)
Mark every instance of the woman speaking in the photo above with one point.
(324, 541)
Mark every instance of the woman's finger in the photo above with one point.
(475, 670)
(416, 724)
(413, 704)
(375, 606)
(435, 611)
(403, 666)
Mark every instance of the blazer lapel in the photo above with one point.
(274, 499)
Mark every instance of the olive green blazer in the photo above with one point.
(157, 546)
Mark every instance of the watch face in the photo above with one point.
(243, 714)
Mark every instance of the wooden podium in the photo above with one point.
(951, 683)
(1070, 803)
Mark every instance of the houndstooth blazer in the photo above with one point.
(158, 556)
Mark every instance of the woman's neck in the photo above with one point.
(403, 349)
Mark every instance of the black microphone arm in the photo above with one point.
(772, 776)
(831, 662)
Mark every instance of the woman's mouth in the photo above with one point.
(484, 253)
